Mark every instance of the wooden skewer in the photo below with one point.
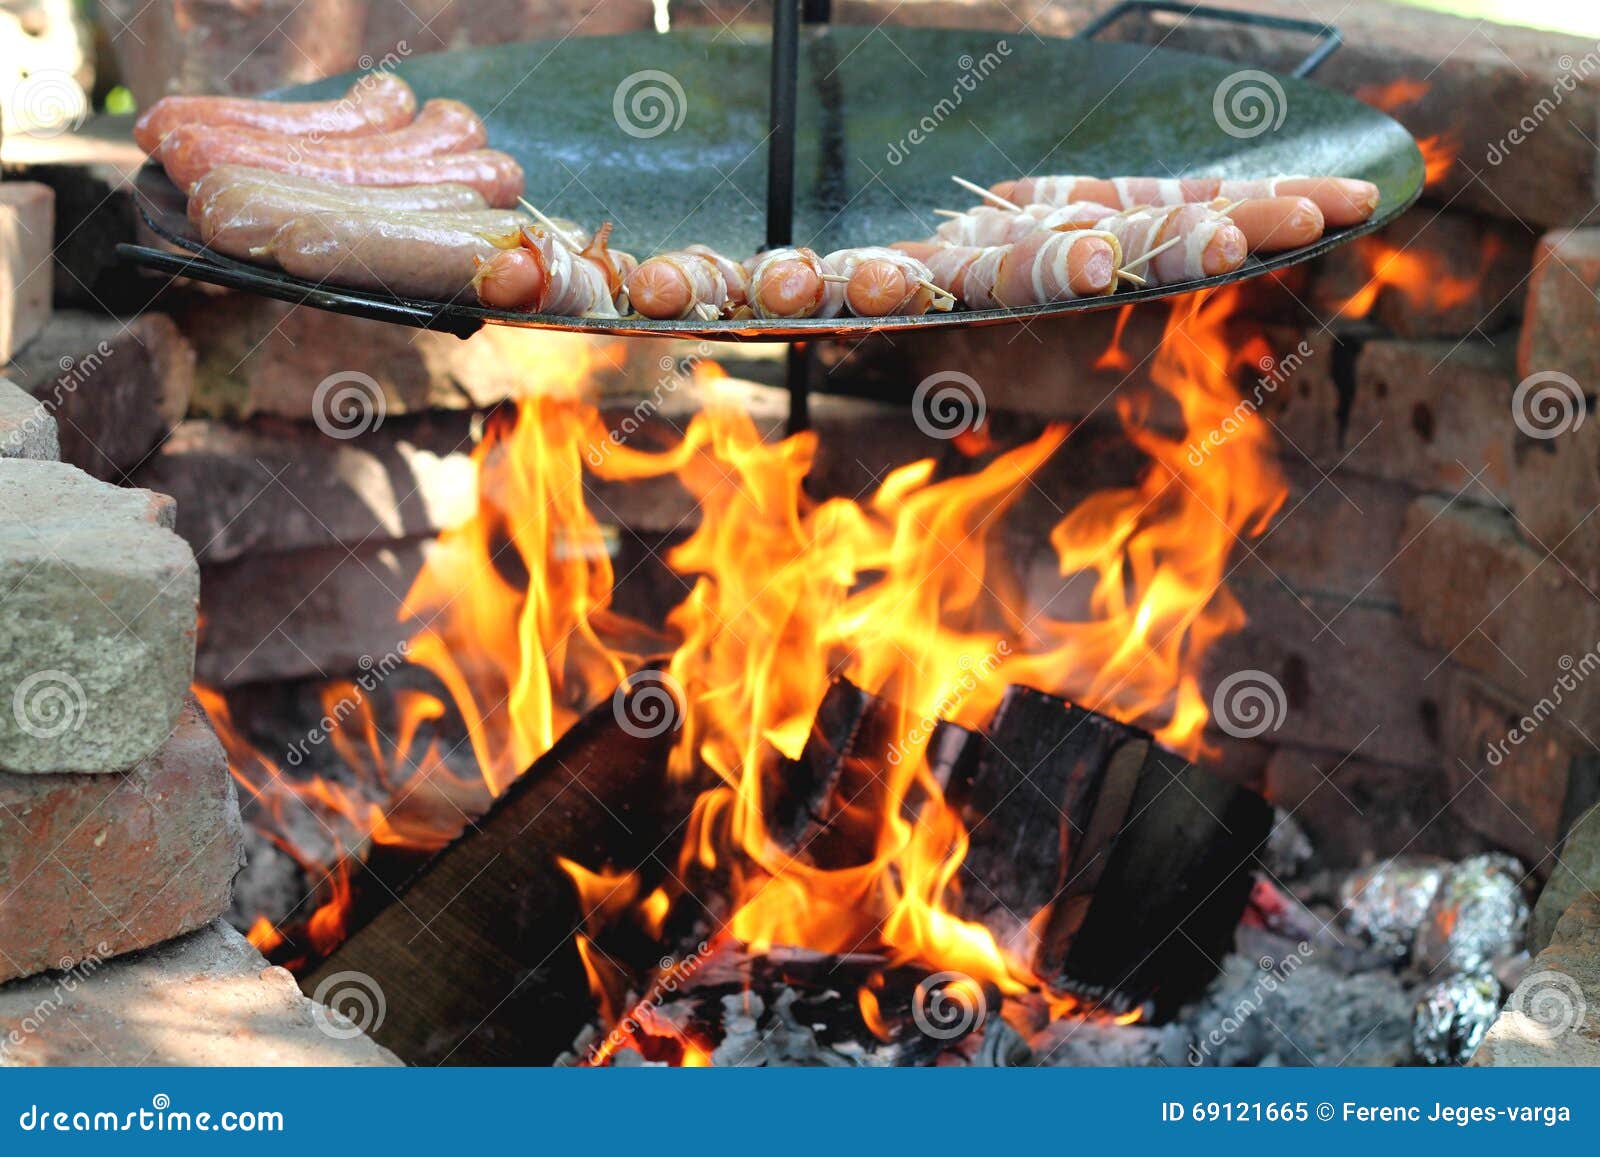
(987, 195)
(936, 290)
(1159, 249)
(559, 233)
(1131, 278)
(835, 279)
(947, 213)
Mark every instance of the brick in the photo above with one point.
(1513, 790)
(27, 232)
(207, 999)
(96, 865)
(1361, 685)
(1553, 1015)
(1355, 809)
(1576, 873)
(95, 212)
(1472, 588)
(1431, 274)
(1555, 491)
(97, 620)
(26, 428)
(1561, 329)
(1483, 80)
(283, 486)
(115, 388)
(1432, 415)
(304, 613)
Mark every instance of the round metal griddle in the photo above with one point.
(698, 172)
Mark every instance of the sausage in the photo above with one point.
(496, 176)
(409, 255)
(786, 283)
(680, 284)
(879, 282)
(1277, 224)
(243, 217)
(513, 279)
(437, 198)
(1343, 201)
(375, 103)
(1044, 266)
(445, 126)
(1210, 243)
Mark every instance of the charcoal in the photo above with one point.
(1479, 913)
(1452, 1017)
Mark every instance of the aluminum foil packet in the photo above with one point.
(1452, 1016)
(1478, 914)
(1387, 903)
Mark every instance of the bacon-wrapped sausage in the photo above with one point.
(1343, 201)
(1208, 243)
(992, 225)
(444, 126)
(544, 275)
(1044, 266)
(880, 282)
(375, 103)
(786, 283)
(692, 282)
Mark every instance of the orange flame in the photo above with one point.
(896, 591)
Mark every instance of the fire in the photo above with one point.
(897, 591)
(1439, 150)
(1421, 277)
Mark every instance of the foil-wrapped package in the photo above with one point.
(1387, 903)
(1478, 914)
(1452, 1016)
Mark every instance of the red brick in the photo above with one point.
(1561, 330)
(27, 232)
(103, 864)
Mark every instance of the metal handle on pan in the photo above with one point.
(1329, 42)
(243, 277)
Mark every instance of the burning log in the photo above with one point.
(1138, 861)
(477, 958)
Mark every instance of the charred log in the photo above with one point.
(476, 958)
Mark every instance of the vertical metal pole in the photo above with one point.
(781, 114)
